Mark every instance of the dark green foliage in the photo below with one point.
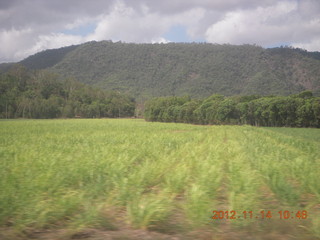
(165, 109)
(48, 58)
(42, 94)
(4, 67)
(179, 69)
(301, 110)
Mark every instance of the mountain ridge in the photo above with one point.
(177, 69)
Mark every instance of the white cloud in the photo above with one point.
(20, 44)
(12, 44)
(79, 22)
(126, 24)
(54, 40)
(313, 45)
(259, 26)
(25, 30)
(193, 20)
(280, 23)
(178, 6)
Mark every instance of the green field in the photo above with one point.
(131, 179)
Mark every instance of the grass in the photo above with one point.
(114, 174)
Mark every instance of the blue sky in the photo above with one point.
(30, 26)
(178, 33)
(81, 30)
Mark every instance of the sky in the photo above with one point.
(30, 26)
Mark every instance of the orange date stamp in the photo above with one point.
(300, 214)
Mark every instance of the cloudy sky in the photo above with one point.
(29, 26)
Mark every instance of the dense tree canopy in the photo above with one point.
(300, 110)
(177, 69)
(41, 94)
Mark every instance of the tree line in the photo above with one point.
(42, 94)
(299, 110)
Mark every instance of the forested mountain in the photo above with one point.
(176, 69)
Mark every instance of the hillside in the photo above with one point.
(176, 69)
(48, 58)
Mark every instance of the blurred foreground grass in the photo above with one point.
(117, 173)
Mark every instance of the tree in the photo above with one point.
(41, 94)
(302, 110)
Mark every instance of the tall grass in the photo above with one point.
(96, 173)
